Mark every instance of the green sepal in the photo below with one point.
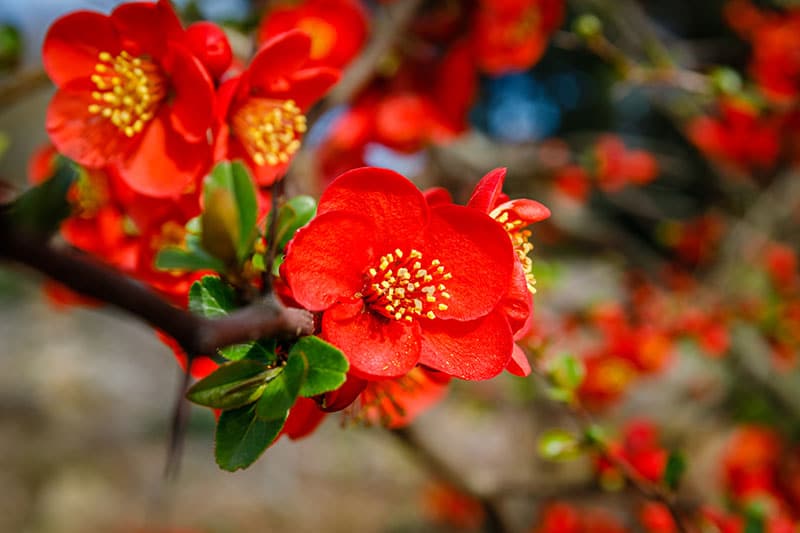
(233, 385)
(173, 258)
(242, 437)
(559, 445)
(676, 466)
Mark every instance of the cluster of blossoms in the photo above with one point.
(414, 289)
(610, 165)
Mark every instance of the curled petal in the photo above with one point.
(487, 192)
(524, 209)
(192, 110)
(519, 364)
(377, 347)
(326, 260)
(309, 85)
(474, 350)
(277, 60)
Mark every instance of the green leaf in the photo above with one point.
(292, 216)
(233, 385)
(567, 372)
(676, 466)
(180, 259)
(327, 365)
(229, 220)
(280, 394)
(41, 210)
(559, 445)
(262, 350)
(242, 437)
(211, 297)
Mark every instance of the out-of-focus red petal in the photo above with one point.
(478, 349)
(277, 60)
(72, 45)
(304, 418)
(519, 364)
(326, 260)
(391, 202)
(477, 252)
(89, 139)
(309, 85)
(344, 395)
(42, 164)
(192, 109)
(488, 190)
(377, 347)
(146, 28)
(164, 164)
(437, 196)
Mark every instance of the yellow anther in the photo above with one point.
(269, 129)
(128, 91)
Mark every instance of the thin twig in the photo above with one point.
(272, 237)
(21, 84)
(180, 418)
(493, 517)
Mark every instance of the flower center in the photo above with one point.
(129, 89)
(270, 130)
(323, 35)
(401, 288)
(522, 245)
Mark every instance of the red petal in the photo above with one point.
(326, 260)
(519, 364)
(309, 85)
(146, 28)
(73, 43)
(164, 164)
(488, 190)
(479, 349)
(304, 418)
(517, 304)
(89, 139)
(192, 110)
(377, 347)
(391, 202)
(278, 59)
(477, 252)
(344, 395)
(437, 196)
(529, 211)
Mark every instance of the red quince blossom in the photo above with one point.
(338, 28)
(130, 95)
(514, 216)
(261, 111)
(513, 34)
(401, 283)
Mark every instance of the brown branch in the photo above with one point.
(195, 334)
(493, 518)
(21, 84)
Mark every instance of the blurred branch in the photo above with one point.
(493, 518)
(21, 84)
(195, 334)
(648, 489)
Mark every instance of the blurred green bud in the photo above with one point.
(587, 26)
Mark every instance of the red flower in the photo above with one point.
(338, 28)
(261, 111)
(514, 216)
(130, 94)
(394, 403)
(512, 34)
(401, 283)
